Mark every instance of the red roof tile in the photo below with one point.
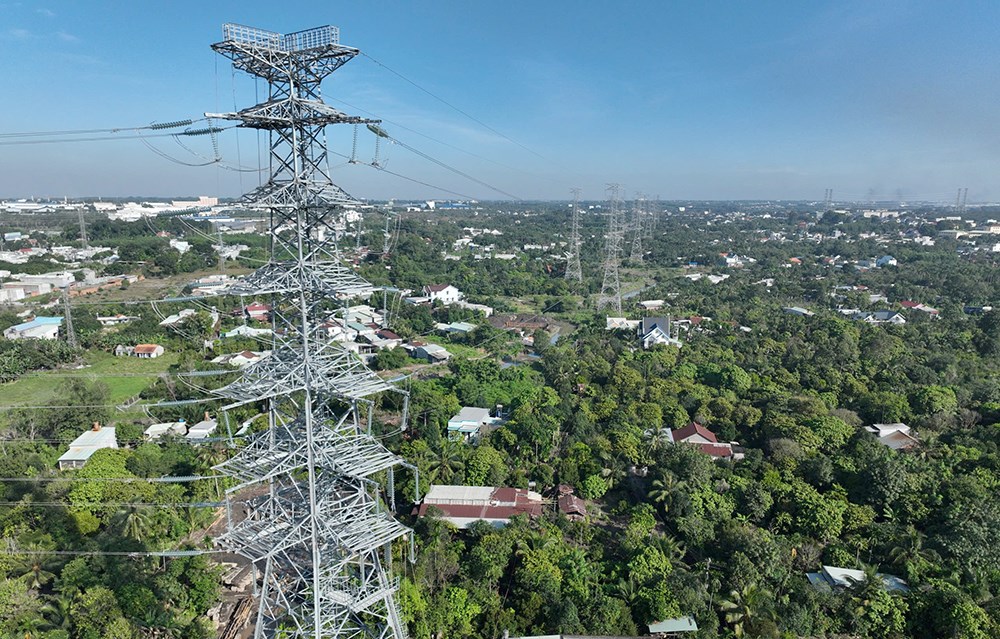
(694, 428)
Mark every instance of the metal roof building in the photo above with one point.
(86, 445)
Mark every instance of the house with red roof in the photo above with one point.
(257, 311)
(464, 505)
(706, 441)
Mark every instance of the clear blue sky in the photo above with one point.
(717, 100)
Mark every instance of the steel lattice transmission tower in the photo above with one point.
(317, 530)
(638, 218)
(573, 269)
(611, 287)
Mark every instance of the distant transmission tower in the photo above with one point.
(70, 333)
(573, 269)
(611, 287)
(83, 230)
(638, 220)
(315, 526)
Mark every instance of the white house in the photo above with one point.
(444, 293)
(834, 578)
(203, 429)
(115, 320)
(81, 448)
(656, 330)
(177, 318)
(881, 317)
(147, 351)
(247, 331)
(156, 431)
(469, 422)
(896, 436)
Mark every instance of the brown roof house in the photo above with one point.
(463, 505)
(707, 442)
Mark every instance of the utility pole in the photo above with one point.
(319, 534)
(574, 271)
(611, 295)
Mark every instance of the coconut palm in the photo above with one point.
(136, 522)
(911, 556)
(448, 462)
(746, 608)
(666, 490)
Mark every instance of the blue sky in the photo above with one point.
(685, 100)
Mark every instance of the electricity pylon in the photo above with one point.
(573, 269)
(316, 529)
(611, 287)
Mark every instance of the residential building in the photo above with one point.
(203, 429)
(620, 323)
(81, 448)
(147, 351)
(462, 328)
(444, 293)
(464, 505)
(432, 353)
(656, 330)
(154, 432)
(706, 441)
(177, 318)
(880, 317)
(833, 578)
(247, 331)
(115, 320)
(241, 359)
(896, 436)
(672, 627)
(38, 328)
(257, 312)
(574, 508)
(798, 310)
(470, 423)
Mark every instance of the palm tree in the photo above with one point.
(865, 590)
(613, 471)
(658, 437)
(55, 612)
(628, 591)
(136, 522)
(910, 556)
(36, 573)
(746, 608)
(448, 462)
(673, 549)
(665, 491)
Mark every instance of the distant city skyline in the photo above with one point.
(700, 101)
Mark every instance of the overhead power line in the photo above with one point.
(178, 479)
(453, 107)
(149, 127)
(123, 504)
(110, 553)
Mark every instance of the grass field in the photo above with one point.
(125, 376)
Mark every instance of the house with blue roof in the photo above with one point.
(38, 328)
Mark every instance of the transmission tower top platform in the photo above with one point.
(262, 53)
